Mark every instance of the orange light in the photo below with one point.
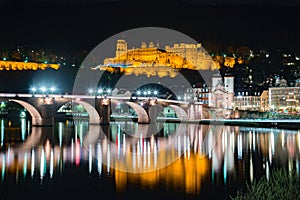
(13, 65)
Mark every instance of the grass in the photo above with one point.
(282, 185)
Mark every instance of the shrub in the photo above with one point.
(281, 185)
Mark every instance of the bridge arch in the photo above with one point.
(94, 117)
(140, 111)
(36, 117)
(180, 112)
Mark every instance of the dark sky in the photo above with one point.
(67, 26)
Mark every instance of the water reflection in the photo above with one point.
(183, 157)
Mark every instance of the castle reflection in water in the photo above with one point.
(178, 155)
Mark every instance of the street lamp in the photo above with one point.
(100, 91)
(52, 89)
(43, 89)
(108, 91)
(33, 89)
(91, 91)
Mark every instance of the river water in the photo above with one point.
(126, 160)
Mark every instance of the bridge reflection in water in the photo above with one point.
(177, 155)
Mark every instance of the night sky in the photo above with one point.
(69, 26)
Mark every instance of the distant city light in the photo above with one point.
(2, 105)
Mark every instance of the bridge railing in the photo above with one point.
(70, 96)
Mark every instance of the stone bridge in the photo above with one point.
(43, 108)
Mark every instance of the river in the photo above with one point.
(126, 160)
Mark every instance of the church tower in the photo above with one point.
(229, 82)
(121, 48)
(216, 80)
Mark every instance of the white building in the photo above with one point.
(222, 95)
(284, 99)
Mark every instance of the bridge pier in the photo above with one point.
(154, 110)
(104, 111)
(47, 114)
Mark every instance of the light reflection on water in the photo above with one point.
(188, 159)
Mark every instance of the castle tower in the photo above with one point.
(121, 48)
(143, 45)
(151, 45)
(229, 87)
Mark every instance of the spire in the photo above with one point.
(217, 74)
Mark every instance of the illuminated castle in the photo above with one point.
(165, 61)
(15, 65)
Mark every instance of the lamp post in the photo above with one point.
(100, 91)
(92, 92)
(33, 90)
(155, 93)
(52, 89)
(43, 89)
(138, 93)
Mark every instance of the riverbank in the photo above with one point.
(264, 123)
(267, 123)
